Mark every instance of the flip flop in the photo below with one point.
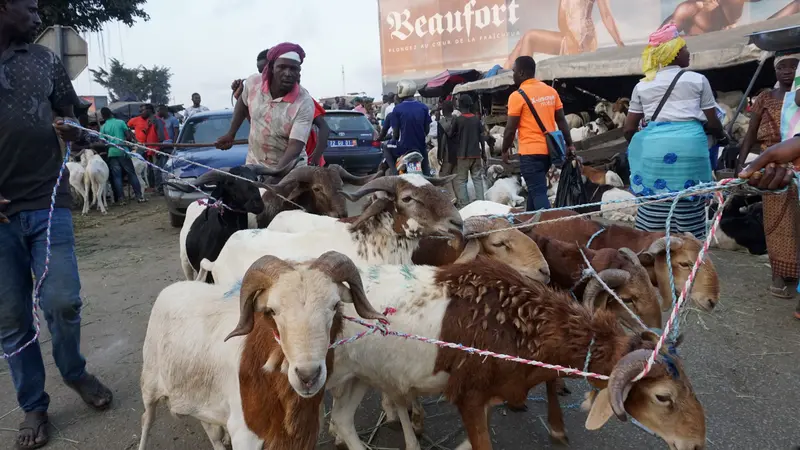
(780, 292)
(36, 422)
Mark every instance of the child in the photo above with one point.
(468, 129)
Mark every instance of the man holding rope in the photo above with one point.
(34, 85)
(281, 111)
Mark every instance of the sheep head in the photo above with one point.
(683, 254)
(418, 206)
(663, 401)
(319, 189)
(630, 280)
(509, 246)
(303, 299)
(236, 193)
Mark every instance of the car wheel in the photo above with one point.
(175, 220)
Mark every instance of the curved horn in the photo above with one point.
(619, 383)
(341, 269)
(661, 245)
(378, 206)
(301, 174)
(348, 177)
(477, 224)
(631, 255)
(386, 184)
(441, 181)
(210, 177)
(612, 277)
(259, 278)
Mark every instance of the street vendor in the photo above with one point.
(281, 111)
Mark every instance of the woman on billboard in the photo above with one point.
(576, 32)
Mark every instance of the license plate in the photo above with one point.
(339, 143)
(414, 166)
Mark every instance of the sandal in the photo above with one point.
(92, 391)
(781, 292)
(33, 431)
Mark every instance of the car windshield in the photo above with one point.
(209, 129)
(348, 122)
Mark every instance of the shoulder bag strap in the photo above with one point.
(666, 95)
(533, 110)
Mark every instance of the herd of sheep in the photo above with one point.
(254, 372)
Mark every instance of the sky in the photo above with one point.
(209, 43)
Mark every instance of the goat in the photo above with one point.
(488, 305)
(319, 190)
(95, 179)
(597, 127)
(76, 176)
(651, 248)
(742, 225)
(407, 208)
(188, 361)
(506, 191)
(622, 105)
(205, 230)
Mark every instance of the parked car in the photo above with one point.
(352, 143)
(203, 127)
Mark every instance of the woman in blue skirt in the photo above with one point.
(670, 152)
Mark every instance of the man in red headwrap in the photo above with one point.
(281, 111)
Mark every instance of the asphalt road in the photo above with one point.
(743, 359)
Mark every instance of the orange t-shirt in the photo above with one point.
(546, 101)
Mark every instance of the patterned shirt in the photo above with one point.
(692, 95)
(33, 83)
(192, 110)
(274, 121)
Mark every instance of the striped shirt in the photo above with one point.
(690, 97)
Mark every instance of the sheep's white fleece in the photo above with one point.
(484, 208)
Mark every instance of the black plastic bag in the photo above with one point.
(571, 191)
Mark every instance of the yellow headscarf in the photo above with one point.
(663, 46)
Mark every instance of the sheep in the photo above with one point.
(602, 177)
(484, 208)
(319, 190)
(140, 168)
(433, 159)
(615, 211)
(205, 230)
(581, 133)
(407, 208)
(488, 305)
(597, 127)
(651, 248)
(190, 363)
(506, 191)
(730, 99)
(577, 120)
(622, 105)
(619, 165)
(76, 176)
(95, 179)
(741, 227)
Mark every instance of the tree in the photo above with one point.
(138, 84)
(90, 15)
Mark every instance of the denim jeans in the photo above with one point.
(116, 166)
(23, 251)
(534, 170)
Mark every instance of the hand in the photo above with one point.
(571, 150)
(505, 157)
(225, 142)
(783, 153)
(67, 133)
(774, 177)
(236, 85)
(3, 201)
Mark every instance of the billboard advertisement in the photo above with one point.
(421, 38)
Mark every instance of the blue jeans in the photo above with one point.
(117, 165)
(23, 251)
(533, 169)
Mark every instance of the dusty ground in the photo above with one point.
(743, 359)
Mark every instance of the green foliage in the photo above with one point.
(134, 84)
(90, 15)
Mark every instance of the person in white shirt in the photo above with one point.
(196, 106)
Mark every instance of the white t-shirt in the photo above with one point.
(190, 111)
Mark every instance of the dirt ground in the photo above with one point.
(742, 359)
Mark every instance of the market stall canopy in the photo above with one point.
(443, 84)
(709, 51)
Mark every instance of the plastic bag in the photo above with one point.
(571, 191)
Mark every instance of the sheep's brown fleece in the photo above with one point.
(494, 308)
(272, 409)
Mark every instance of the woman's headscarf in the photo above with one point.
(285, 50)
(662, 48)
(789, 54)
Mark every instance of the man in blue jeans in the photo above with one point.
(411, 121)
(33, 85)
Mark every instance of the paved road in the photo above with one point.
(744, 360)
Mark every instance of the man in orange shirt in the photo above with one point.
(534, 158)
(148, 129)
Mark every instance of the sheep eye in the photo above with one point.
(269, 312)
(499, 244)
(407, 199)
(663, 398)
(685, 264)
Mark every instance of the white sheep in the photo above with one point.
(140, 168)
(580, 133)
(615, 211)
(76, 174)
(730, 99)
(574, 121)
(95, 179)
(506, 191)
(484, 208)
(189, 363)
(407, 209)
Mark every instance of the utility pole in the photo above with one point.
(344, 90)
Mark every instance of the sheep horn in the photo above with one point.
(378, 206)
(301, 174)
(619, 383)
(259, 278)
(477, 224)
(631, 255)
(386, 184)
(441, 181)
(210, 177)
(341, 269)
(611, 277)
(661, 245)
(348, 177)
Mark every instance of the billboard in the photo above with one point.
(421, 38)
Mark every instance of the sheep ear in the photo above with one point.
(470, 252)
(601, 411)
